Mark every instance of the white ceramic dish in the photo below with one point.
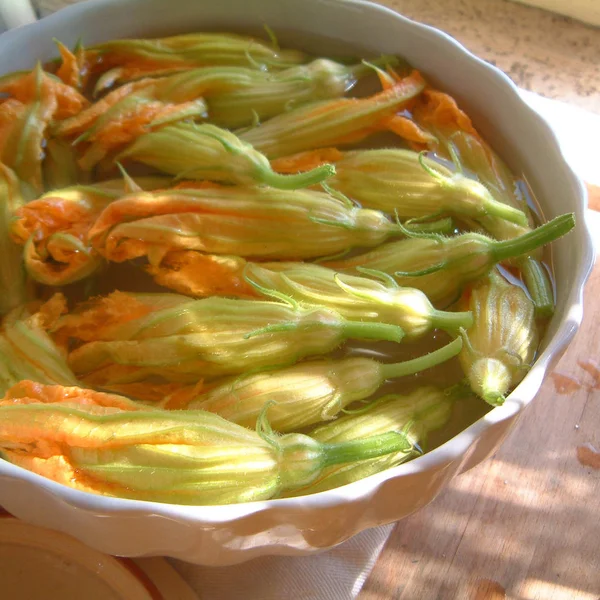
(223, 535)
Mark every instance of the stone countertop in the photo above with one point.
(551, 55)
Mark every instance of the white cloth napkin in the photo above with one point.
(340, 573)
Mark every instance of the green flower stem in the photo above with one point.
(296, 181)
(528, 242)
(506, 212)
(451, 321)
(363, 449)
(421, 363)
(539, 286)
(364, 330)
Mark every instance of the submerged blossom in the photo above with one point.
(441, 266)
(309, 392)
(235, 221)
(179, 457)
(192, 339)
(332, 122)
(496, 358)
(416, 415)
(207, 152)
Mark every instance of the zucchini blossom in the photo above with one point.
(309, 392)
(411, 185)
(209, 152)
(27, 352)
(13, 281)
(53, 231)
(34, 99)
(416, 415)
(179, 457)
(441, 266)
(215, 336)
(501, 344)
(232, 97)
(197, 274)
(123, 60)
(358, 298)
(332, 122)
(279, 92)
(238, 221)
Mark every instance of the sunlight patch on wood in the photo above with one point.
(533, 589)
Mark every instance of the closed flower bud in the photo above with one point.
(354, 297)
(441, 266)
(332, 122)
(276, 93)
(122, 60)
(309, 392)
(416, 415)
(179, 457)
(456, 137)
(411, 185)
(218, 336)
(500, 345)
(240, 221)
(27, 352)
(209, 152)
(477, 155)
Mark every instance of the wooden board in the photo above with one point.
(525, 524)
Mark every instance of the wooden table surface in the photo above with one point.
(525, 524)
